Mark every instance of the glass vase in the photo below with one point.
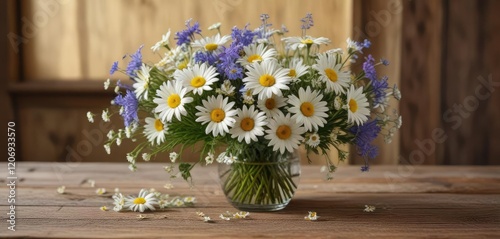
(265, 183)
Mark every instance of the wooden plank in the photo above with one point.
(470, 107)
(380, 21)
(42, 213)
(421, 76)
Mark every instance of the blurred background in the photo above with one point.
(445, 58)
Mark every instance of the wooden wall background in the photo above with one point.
(436, 56)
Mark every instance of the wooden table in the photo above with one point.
(410, 201)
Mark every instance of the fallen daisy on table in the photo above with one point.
(369, 208)
(312, 216)
(61, 189)
(145, 200)
(100, 191)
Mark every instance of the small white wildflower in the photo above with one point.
(313, 140)
(104, 208)
(230, 159)
(146, 157)
(122, 109)
(312, 216)
(106, 84)
(210, 158)
(352, 44)
(100, 191)
(173, 156)
(61, 189)
(207, 219)
(90, 117)
(227, 88)
(221, 157)
(189, 199)
(168, 186)
(132, 167)
(396, 93)
(118, 141)
(399, 122)
(91, 182)
(240, 215)
(130, 158)
(105, 115)
(128, 132)
(117, 190)
(117, 89)
(141, 217)
(107, 147)
(388, 139)
(200, 213)
(369, 208)
(145, 200)
(178, 203)
(110, 134)
(337, 103)
(169, 168)
(224, 217)
(323, 169)
(215, 26)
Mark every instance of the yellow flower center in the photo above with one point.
(174, 100)
(158, 125)
(353, 105)
(270, 103)
(253, 58)
(267, 80)
(217, 115)
(307, 109)
(284, 132)
(331, 74)
(314, 138)
(307, 41)
(139, 201)
(292, 73)
(182, 65)
(211, 46)
(247, 124)
(198, 81)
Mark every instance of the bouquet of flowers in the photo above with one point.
(255, 94)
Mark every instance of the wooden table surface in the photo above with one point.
(410, 201)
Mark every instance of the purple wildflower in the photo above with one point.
(130, 106)
(369, 68)
(284, 29)
(364, 135)
(242, 37)
(185, 36)
(206, 57)
(114, 68)
(135, 63)
(385, 62)
(307, 22)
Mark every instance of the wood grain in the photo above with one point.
(453, 201)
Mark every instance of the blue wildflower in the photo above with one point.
(234, 71)
(242, 37)
(114, 68)
(385, 62)
(284, 29)
(379, 87)
(369, 68)
(135, 63)
(130, 106)
(366, 43)
(205, 57)
(364, 135)
(185, 36)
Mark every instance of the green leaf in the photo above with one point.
(185, 169)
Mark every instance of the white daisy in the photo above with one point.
(301, 42)
(215, 26)
(145, 200)
(118, 201)
(297, 69)
(218, 113)
(197, 78)
(308, 109)
(266, 78)
(313, 140)
(284, 134)
(171, 100)
(271, 105)
(212, 44)
(163, 42)
(249, 124)
(331, 74)
(257, 53)
(357, 106)
(141, 84)
(155, 130)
